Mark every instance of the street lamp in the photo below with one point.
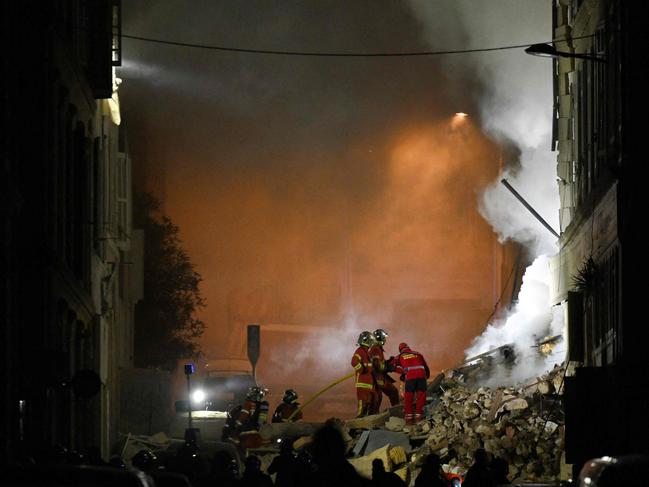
(189, 370)
(546, 50)
(459, 119)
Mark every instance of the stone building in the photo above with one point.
(70, 262)
(600, 133)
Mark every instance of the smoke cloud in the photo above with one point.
(516, 109)
(320, 197)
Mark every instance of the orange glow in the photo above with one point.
(395, 241)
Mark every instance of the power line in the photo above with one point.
(336, 54)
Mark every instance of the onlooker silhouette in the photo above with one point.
(479, 474)
(285, 466)
(253, 476)
(500, 471)
(381, 478)
(431, 474)
(331, 467)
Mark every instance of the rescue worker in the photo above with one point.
(384, 383)
(248, 416)
(414, 372)
(365, 388)
(287, 407)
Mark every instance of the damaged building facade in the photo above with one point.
(599, 103)
(70, 262)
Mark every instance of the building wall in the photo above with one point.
(67, 242)
(600, 107)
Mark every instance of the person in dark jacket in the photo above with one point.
(500, 471)
(431, 474)
(381, 478)
(331, 468)
(253, 476)
(479, 474)
(285, 466)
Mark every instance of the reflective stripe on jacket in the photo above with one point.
(411, 364)
(363, 367)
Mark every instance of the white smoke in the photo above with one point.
(531, 318)
(516, 107)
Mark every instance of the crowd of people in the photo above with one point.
(322, 463)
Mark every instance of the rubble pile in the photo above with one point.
(522, 425)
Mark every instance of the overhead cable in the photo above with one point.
(335, 54)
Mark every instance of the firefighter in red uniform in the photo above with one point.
(414, 372)
(384, 383)
(248, 416)
(287, 407)
(365, 388)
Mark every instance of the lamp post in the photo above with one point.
(546, 50)
(189, 370)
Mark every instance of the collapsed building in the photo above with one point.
(524, 425)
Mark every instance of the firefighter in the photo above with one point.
(384, 383)
(287, 407)
(248, 416)
(365, 388)
(414, 372)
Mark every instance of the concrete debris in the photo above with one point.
(378, 438)
(395, 424)
(523, 425)
(360, 444)
(363, 465)
(368, 422)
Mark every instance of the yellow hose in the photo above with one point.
(324, 389)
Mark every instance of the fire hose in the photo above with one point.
(317, 394)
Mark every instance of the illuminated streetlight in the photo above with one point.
(198, 396)
(461, 114)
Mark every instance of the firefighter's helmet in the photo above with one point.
(256, 394)
(364, 339)
(403, 346)
(380, 335)
(289, 396)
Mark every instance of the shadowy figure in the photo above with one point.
(116, 461)
(479, 474)
(431, 474)
(145, 460)
(253, 476)
(305, 465)
(189, 462)
(381, 478)
(331, 469)
(285, 466)
(499, 471)
(222, 471)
